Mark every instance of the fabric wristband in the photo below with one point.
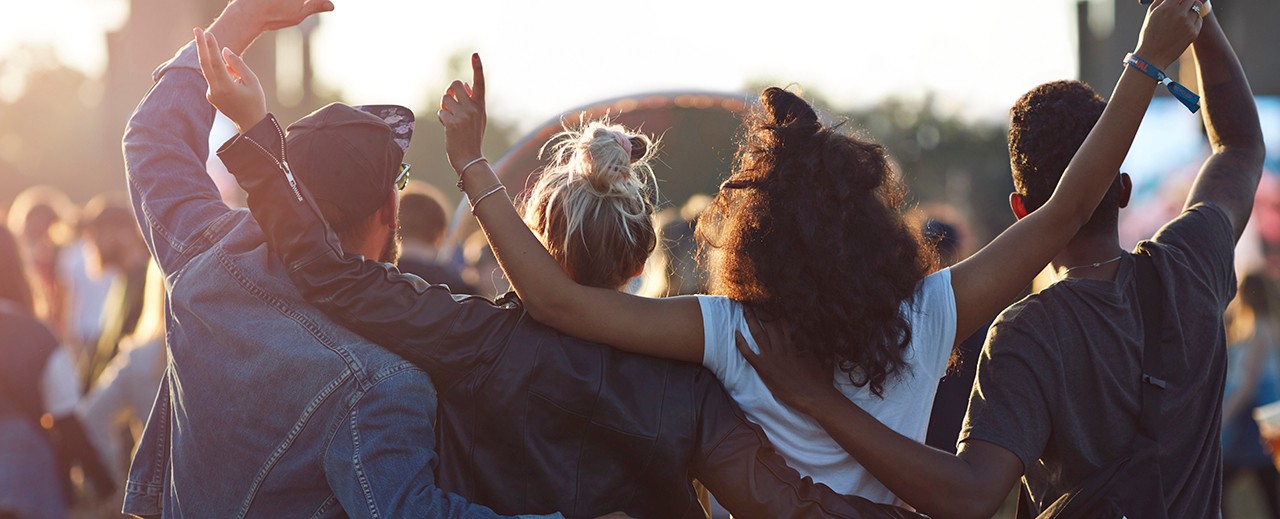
(1188, 98)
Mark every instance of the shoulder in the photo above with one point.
(721, 317)
(1025, 328)
(717, 304)
(1198, 246)
(934, 296)
(398, 381)
(1201, 224)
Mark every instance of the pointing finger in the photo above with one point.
(477, 79)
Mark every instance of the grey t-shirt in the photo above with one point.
(1058, 381)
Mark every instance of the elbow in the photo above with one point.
(1251, 151)
(548, 310)
(1255, 152)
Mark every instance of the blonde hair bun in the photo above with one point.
(598, 176)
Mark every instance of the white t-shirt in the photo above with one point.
(59, 384)
(905, 408)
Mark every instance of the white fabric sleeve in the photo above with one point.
(717, 325)
(933, 322)
(59, 384)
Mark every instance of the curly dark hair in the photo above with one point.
(808, 228)
(1046, 128)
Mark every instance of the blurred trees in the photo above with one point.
(946, 159)
(48, 132)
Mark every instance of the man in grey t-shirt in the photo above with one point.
(1059, 382)
(1058, 385)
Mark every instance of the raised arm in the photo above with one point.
(166, 140)
(1229, 178)
(989, 280)
(669, 328)
(423, 323)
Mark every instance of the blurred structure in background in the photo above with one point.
(1108, 28)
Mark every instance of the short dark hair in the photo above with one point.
(422, 213)
(1046, 128)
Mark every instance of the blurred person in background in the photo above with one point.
(953, 390)
(117, 246)
(85, 285)
(40, 435)
(686, 272)
(39, 218)
(481, 270)
(423, 222)
(116, 407)
(1253, 380)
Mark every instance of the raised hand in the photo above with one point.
(1170, 26)
(278, 14)
(233, 88)
(462, 113)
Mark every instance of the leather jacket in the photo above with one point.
(532, 420)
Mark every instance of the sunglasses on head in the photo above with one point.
(402, 179)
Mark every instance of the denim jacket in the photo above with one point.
(267, 408)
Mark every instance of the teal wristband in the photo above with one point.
(1188, 98)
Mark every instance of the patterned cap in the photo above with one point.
(348, 157)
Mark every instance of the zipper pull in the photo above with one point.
(288, 175)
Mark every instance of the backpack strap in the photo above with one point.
(1152, 305)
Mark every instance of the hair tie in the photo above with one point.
(623, 141)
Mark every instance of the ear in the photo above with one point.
(1018, 206)
(1126, 190)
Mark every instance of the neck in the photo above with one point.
(1085, 250)
(369, 246)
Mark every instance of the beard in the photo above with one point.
(391, 250)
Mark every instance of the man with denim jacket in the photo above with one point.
(267, 408)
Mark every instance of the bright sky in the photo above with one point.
(546, 57)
